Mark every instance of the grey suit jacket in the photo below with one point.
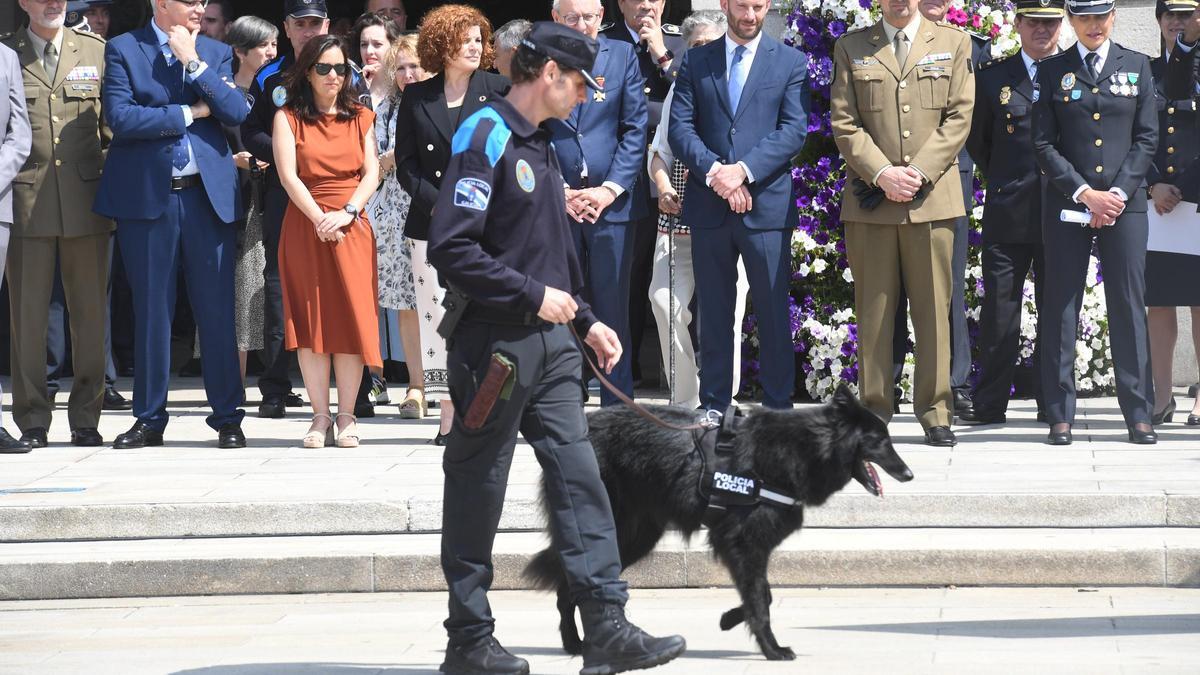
(17, 139)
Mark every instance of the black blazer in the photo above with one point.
(1178, 138)
(1001, 144)
(423, 134)
(1085, 134)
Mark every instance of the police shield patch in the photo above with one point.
(472, 193)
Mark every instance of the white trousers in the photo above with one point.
(687, 373)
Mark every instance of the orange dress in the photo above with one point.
(329, 289)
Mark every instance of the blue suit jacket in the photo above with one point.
(765, 132)
(610, 134)
(142, 99)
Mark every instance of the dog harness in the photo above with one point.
(718, 484)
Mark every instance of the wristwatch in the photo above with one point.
(352, 210)
(665, 58)
(192, 66)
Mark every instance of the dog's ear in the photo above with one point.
(843, 397)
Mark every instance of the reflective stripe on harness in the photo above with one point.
(718, 484)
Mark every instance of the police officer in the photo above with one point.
(499, 235)
(1094, 134)
(1002, 146)
(62, 70)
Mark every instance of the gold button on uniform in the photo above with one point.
(1008, 116)
(1170, 130)
(1099, 169)
(437, 174)
(906, 133)
(58, 162)
(429, 147)
(905, 108)
(903, 84)
(1099, 142)
(1170, 151)
(1170, 111)
(1096, 116)
(56, 140)
(53, 97)
(907, 158)
(1170, 169)
(647, 90)
(1095, 90)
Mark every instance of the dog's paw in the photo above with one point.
(732, 618)
(780, 654)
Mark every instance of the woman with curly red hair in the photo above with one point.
(455, 43)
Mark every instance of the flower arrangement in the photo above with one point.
(822, 308)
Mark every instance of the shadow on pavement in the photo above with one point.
(1084, 626)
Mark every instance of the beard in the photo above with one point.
(739, 30)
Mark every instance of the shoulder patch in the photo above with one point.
(268, 70)
(472, 193)
(492, 145)
(671, 29)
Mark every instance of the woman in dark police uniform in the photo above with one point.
(1094, 132)
(1171, 276)
(455, 42)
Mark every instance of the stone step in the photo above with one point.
(422, 514)
(409, 562)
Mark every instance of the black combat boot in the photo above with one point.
(482, 657)
(613, 645)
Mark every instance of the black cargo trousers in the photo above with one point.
(546, 406)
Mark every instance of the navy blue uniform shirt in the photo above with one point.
(499, 231)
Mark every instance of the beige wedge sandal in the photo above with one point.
(319, 438)
(348, 437)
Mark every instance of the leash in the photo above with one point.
(706, 423)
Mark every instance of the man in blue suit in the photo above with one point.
(601, 149)
(740, 114)
(170, 183)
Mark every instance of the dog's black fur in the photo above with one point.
(652, 474)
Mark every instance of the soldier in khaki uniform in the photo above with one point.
(902, 98)
(62, 69)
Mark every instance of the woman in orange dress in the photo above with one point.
(324, 143)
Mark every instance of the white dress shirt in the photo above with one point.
(192, 168)
(748, 62)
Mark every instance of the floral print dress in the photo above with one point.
(388, 211)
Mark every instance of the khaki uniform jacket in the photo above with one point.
(919, 116)
(53, 193)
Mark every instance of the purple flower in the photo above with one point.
(836, 28)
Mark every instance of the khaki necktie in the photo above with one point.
(50, 60)
(901, 48)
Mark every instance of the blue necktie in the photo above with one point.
(179, 151)
(737, 77)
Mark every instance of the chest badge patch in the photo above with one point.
(525, 176)
(279, 96)
(1005, 95)
(1068, 81)
(472, 193)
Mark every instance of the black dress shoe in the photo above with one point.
(230, 436)
(962, 401)
(272, 407)
(293, 400)
(140, 435)
(940, 437)
(35, 436)
(1193, 421)
(973, 416)
(364, 409)
(1164, 417)
(1059, 437)
(1139, 437)
(485, 655)
(86, 437)
(113, 400)
(11, 446)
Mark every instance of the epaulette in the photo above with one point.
(997, 61)
(671, 29)
(5, 36)
(87, 33)
(1055, 56)
(858, 30)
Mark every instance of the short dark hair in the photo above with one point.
(226, 9)
(364, 22)
(527, 65)
(299, 91)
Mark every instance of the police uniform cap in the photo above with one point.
(1082, 7)
(568, 48)
(301, 8)
(74, 14)
(671, 29)
(1164, 6)
(1041, 9)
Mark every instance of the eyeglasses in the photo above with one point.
(574, 19)
(324, 68)
(194, 4)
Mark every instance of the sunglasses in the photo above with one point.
(324, 68)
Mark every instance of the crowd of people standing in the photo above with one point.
(305, 169)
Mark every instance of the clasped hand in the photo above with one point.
(587, 204)
(329, 225)
(900, 183)
(729, 182)
(1106, 207)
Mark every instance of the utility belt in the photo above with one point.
(719, 485)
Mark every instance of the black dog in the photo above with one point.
(652, 474)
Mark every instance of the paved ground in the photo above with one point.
(1026, 630)
(396, 460)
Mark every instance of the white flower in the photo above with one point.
(819, 265)
(803, 269)
(847, 275)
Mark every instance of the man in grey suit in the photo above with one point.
(14, 149)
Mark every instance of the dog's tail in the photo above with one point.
(544, 571)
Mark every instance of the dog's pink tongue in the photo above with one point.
(874, 478)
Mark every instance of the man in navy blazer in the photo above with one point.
(601, 149)
(170, 183)
(739, 115)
